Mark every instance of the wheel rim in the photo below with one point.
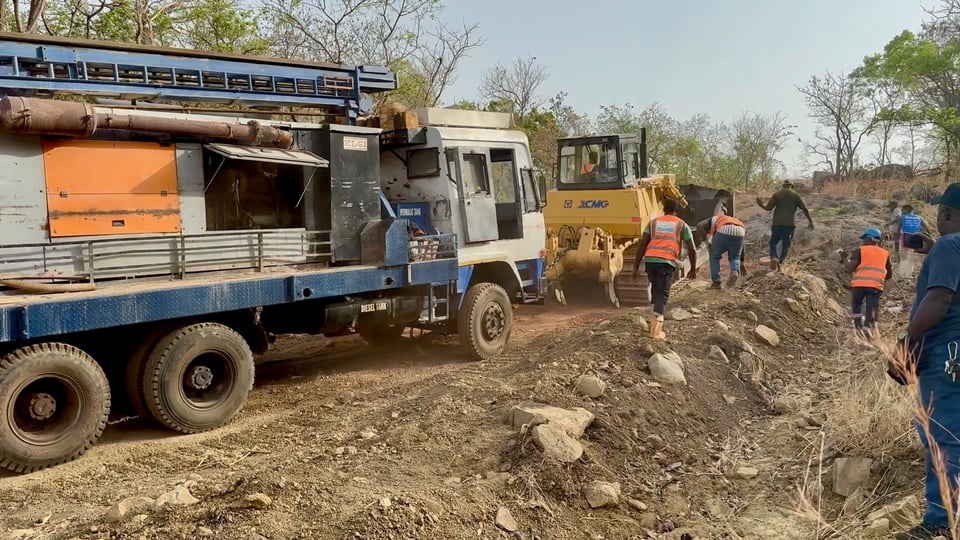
(45, 409)
(208, 380)
(493, 322)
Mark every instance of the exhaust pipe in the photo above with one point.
(42, 116)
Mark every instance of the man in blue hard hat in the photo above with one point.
(871, 268)
(933, 336)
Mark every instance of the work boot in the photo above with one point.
(923, 532)
(656, 327)
(716, 285)
(774, 265)
(733, 280)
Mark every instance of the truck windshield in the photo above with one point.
(582, 163)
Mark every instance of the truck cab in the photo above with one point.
(468, 173)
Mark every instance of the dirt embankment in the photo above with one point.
(713, 433)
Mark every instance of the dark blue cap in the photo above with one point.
(950, 197)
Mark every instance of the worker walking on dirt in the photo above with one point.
(894, 224)
(871, 268)
(911, 223)
(727, 236)
(932, 337)
(784, 204)
(659, 250)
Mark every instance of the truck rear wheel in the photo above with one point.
(485, 321)
(56, 401)
(198, 377)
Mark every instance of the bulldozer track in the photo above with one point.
(636, 291)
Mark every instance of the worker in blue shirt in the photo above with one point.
(933, 335)
(911, 223)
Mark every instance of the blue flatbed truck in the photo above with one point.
(147, 254)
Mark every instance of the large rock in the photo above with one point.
(590, 386)
(716, 353)
(850, 473)
(573, 421)
(556, 443)
(666, 370)
(505, 520)
(127, 508)
(600, 494)
(879, 528)
(901, 514)
(768, 335)
(794, 305)
(179, 496)
(680, 314)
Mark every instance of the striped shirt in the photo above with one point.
(729, 229)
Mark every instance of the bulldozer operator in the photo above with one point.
(659, 250)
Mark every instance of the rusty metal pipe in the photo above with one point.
(42, 116)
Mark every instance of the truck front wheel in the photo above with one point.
(485, 321)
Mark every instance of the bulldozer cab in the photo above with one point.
(600, 162)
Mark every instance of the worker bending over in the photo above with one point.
(659, 251)
(728, 234)
(870, 266)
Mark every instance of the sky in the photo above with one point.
(719, 57)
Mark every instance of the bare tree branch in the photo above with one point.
(517, 85)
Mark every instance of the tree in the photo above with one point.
(835, 102)
(660, 126)
(404, 35)
(569, 121)
(518, 85)
(757, 139)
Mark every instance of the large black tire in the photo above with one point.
(56, 400)
(485, 320)
(380, 333)
(198, 377)
(135, 373)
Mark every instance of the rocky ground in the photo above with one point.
(757, 418)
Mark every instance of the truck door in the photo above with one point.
(471, 169)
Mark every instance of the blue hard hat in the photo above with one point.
(871, 232)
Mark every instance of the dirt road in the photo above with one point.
(341, 440)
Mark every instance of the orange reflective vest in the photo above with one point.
(872, 271)
(666, 233)
(722, 220)
(587, 168)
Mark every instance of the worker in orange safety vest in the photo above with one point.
(871, 268)
(659, 250)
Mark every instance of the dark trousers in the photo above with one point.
(940, 395)
(870, 297)
(661, 278)
(781, 236)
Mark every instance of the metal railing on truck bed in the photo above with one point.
(431, 261)
(177, 256)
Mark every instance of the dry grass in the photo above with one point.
(868, 414)
(871, 416)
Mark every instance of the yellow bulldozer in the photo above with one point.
(595, 215)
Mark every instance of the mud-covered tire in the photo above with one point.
(380, 333)
(56, 401)
(485, 320)
(198, 377)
